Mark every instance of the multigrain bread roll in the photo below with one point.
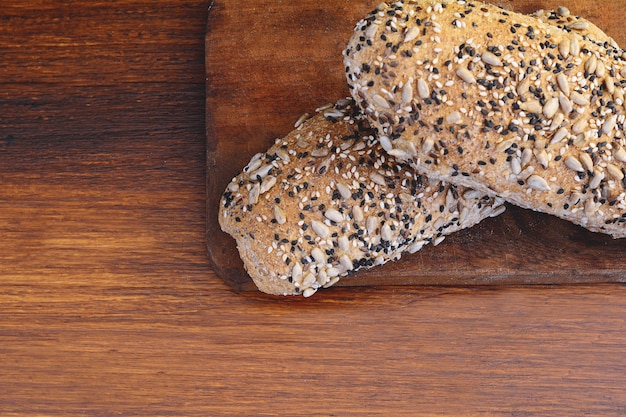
(500, 102)
(326, 201)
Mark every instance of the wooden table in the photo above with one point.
(108, 303)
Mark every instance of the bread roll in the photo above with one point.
(326, 201)
(504, 103)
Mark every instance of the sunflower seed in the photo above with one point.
(565, 104)
(416, 246)
(262, 171)
(563, 11)
(357, 213)
(579, 25)
(620, 155)
(283, 154)
(590, 207)
(377, 178)
(254, 163)
(591, 64)
(564, 47)
(498, 211)
(615, 172)
(400, 154)
(411, 34)
(333, 113)
(267, 184)
(466, 75)
(524, 86)
(320, 229)
(422, 89)
(407, 93)
(516, 166)
(386, 233)
(344, 243)
(542, 157)
(574, 198)
(537, 183)
(505, 144)
(531, 106)
(610, 85)
(279, 215)
(574, 164)
(579, 99)
(346, 144)
(574, 47)
(296, 273)
(380, 101)
(346, 262)
(560, 134)
(323, 167)
(233, 187)
(528, 171)
(309, 292)
(385, 143)
(596, 180)
(527, 155)
(586, 161)
(320, 152)
(333, 215)
(253, 197)
(344, 190)
(551, 107)
(371, 31)
(600, 69)
(557, 121)
(454, 118)
(563, 83)
(491, 59)
(609, 125)
(580, 126)
(428, 145)
(318, 255)
(371, 225)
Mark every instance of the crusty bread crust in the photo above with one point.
(326, 201)
(469, 93)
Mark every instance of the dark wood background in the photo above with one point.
(109, 305)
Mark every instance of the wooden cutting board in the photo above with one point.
(270, 61)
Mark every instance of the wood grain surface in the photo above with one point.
(286, 62)
(109, 305)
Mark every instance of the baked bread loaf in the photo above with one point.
(500, 102)
(326, 201)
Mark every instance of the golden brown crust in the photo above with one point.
(500, 102)
(326, 201)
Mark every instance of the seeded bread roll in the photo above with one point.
(500, 102)
(326, 201)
